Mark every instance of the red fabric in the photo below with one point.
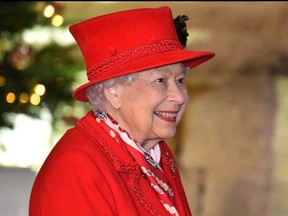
(88, 173)
(130, 41)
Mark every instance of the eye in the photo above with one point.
(181, 81)
(160, 80)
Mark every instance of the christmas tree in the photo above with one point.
(35, 76)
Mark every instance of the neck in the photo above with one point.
(148, 144)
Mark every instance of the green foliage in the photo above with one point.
(22, 66)
(17, 16)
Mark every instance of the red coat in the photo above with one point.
(88, 173)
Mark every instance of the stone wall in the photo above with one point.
(227, 150)
(232, 141)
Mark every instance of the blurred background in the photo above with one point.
(232, 143)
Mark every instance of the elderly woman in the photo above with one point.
(115, 161)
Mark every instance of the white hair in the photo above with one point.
(95, 93)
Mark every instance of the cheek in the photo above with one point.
(186, 96)
(183, 106)
(141, 111)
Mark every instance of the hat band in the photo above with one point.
(132, 54)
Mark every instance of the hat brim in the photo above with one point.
(190, 58)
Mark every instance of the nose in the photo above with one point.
(177, 94)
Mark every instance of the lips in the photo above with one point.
(167, 115)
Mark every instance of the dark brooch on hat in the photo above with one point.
(181, 28)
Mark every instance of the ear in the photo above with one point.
(112, 96)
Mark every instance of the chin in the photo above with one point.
(169, 135)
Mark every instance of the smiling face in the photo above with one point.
(152, 106)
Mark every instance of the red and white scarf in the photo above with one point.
(148, 160)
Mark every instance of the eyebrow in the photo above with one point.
(171, 70)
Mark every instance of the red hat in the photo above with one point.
(130, 41)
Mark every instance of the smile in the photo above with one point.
(168, 116)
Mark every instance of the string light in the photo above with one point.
(10, 97)
(35, 99)
(53, 11)
(39, 89)
(24, 97)
(49, 11)
(57, 20)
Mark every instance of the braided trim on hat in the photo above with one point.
(132, 54)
